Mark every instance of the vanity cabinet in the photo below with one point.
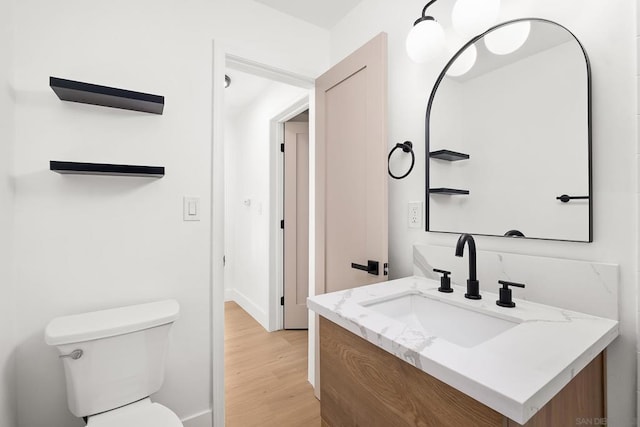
(363, 385)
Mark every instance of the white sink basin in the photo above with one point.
(461, 326)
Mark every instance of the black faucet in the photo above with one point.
(473, 286)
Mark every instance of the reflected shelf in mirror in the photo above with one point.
(448, 155)
(448, 191)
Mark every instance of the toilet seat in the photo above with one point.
(143, 413)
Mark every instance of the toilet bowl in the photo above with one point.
(143, 413)
(113, 361)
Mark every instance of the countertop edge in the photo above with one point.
(551, 389)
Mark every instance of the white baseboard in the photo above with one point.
(202, 419)
(249, 306)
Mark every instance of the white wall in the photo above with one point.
(7, 298)
(247, 178)
(612, 52)
(88, 243)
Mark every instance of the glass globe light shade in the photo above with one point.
(508, 39)
(464, 62)
(472, 17)
(425, 41)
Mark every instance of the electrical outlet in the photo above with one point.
(415, 215)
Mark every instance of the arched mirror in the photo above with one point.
(508, 135)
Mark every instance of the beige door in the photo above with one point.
(351, 171)
(351, 140)
(296, 225)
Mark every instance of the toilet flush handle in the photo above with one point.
(75, 355)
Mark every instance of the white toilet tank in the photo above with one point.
(123, 354)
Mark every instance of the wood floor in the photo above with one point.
(266, 375)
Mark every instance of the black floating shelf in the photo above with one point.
(449, 191)
(448, 155)
(106, 169)
(87, 93)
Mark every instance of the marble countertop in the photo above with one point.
(515, 373)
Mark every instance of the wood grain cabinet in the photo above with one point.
(363, 385)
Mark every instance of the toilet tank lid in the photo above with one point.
(107, 323)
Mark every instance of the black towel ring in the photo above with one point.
(407, 147)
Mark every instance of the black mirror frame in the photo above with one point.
(589, 128)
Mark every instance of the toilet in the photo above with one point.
(113, 361)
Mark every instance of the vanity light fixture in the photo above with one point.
(426, 40)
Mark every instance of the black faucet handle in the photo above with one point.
(505, 284)
(445, 272)
(505, 293)
(445, 281)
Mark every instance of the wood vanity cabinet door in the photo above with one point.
(363, 385)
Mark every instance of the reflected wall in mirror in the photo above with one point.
(511, 135)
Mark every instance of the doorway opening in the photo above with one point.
(258, 103)
(256, 110)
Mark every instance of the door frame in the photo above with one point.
(222, 59)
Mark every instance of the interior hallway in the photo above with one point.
(266, 375)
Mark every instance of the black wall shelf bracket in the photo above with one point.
(448, 191)
(77, 168)
(448, 155)
(87, 93)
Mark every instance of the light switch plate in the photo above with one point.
(191, 209)
(414, 215)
